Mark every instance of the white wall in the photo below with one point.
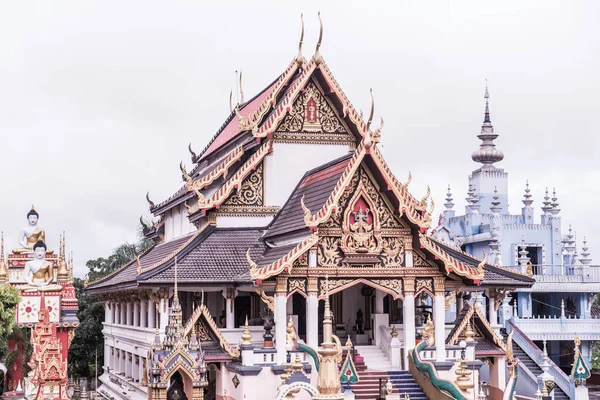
(177, 223)
(289, 162)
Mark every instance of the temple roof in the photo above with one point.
(489, 343)
(493, 274)
(316, 187)
(211, 255)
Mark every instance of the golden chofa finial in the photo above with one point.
(230, 101)
(299, 57)
(317, 56)
(372, 109)
(241, 89)
(246, 335)
(32, 208)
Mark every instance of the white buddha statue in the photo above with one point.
(39, 273)
(31, 234)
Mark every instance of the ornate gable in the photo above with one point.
(313, 118)
(250, 192)
(363, 230)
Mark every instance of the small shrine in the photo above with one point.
(48, 307)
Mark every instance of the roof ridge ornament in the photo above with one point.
(150, 202)
(307, 213)
(192, 153)
(317, 57)
(230, 101)
(487, 154)
(299, 58)
(372, 109)
(241, 89)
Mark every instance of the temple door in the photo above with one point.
(176, 390)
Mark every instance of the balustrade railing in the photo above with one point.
(385, 342)
(562, 380)
(567, 273)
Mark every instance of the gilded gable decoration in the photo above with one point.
(393, 252)
(424, 285)
(297, 285)
(250, 192)
(329, 254)
(311, 113)
(361, 230)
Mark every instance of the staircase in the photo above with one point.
(527, 362)
(367, 387)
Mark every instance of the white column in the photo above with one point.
(106, 356)
(408, 258)
(312, 320)
(280, 325)
(141, 370)
(229, 308)
(493, 315)
(143, 314)
(136, 313)
(151, 314)
(107, 313)
(117, 318)
(379, 295)
(409, 324)
(164, 316)
(129, 314)
(439, 315)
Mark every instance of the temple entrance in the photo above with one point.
(176, 389)
(210, 391)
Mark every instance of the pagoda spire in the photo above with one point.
(554, 204)
(449, 204)
(3, 269)
(523, 256)
(527, 201)
(487, 154)
(495, 208)
(547, 207)
(585, 254)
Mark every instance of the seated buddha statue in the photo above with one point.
(39, 272)
(31, 234)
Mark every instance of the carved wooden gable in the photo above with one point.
(313, 113)
(250, 192)
(364, 230)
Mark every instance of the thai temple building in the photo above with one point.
(559, 304)
(290, 237)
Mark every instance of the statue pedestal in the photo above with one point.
(362, 338)
(581, 393)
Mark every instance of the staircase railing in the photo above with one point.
(561, 379)
(385, 340)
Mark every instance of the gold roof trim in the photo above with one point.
(220, 170)
(284, 262)
(234, 182)
(451, 264)
(460, 329)
(203, 311)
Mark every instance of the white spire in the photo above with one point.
(585, 254)
(495, 208)
(546, 209)
(554, 210)
(487, 154)
(523, 259)
(527, 201)
(449, 204)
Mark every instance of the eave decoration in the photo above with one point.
(580, 371)
(451, 264)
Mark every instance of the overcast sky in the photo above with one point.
(98, 100)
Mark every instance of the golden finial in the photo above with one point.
(241, 89)
(32, 208)
(63, 272)
(509, 347)
(230, 101)
(482, 263)
(424, 199)
(394, 332)
(577, 341)
(246, 335)
(349, 343)
(372, 109)
(409, 180)
(299, 58)
(297, 365)
(317, 56)
(307, 213)
(469, 333)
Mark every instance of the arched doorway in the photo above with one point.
(176, 390)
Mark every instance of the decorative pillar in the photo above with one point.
(312, 314)
(117, 318)
(492, 314)
(409, 317)
(164, 315)
(143, 313)
(141, 369)
(505, 311)
(439, 315)
(107, 313)
(129, 314)
(106, 356)
(280, 318)
(379, 295)
(151, 314)
(229, 295)
(136, 313)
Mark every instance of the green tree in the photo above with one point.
(9, 298)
